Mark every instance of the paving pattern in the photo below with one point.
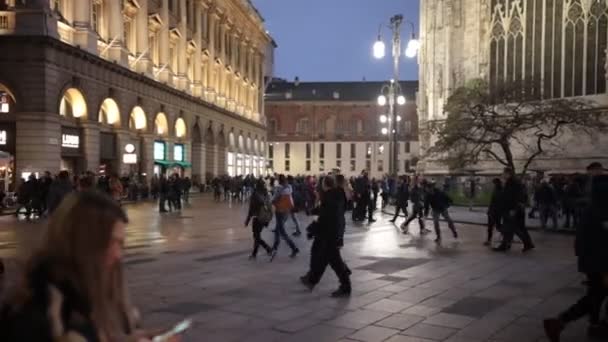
(405, 288)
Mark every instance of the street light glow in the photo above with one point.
(384, 130)
(412, 48)
(381, 100)
(379, 49)
(401, 100)
(398, 118)
(383, 118)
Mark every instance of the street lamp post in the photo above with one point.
(393, 96)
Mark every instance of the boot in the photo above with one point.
(341, 292)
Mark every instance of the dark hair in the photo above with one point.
(329, 182)
(282, 179)
(63, 175)
(340, 180)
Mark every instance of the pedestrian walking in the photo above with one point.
(116, 188)
(417, 197)
(59, 188)
(591, 251)
(513, 204)
(326, 231)
(283, 203)
(494, 211)
(546, 198)
(440, 202)
(403, 196)
(260, 214)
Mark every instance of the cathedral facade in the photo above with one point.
(560, 46)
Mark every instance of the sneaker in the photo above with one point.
(370, 221)
(341, 293)
(306, 282)
(294, 253)
(553, 329)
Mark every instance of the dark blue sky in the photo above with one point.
(331, 40)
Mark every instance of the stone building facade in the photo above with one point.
(315, 127)
(560, 46)
(135, 86)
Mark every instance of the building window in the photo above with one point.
(407, 127)
(321, 150)
(178, 152)
(380, 165)
(287, 166)
(270, 165)
(302, 126)
(353, 151)
(230, 163)
(308, 165)
(272, 126)
(407, 147)
(96, 17)
(380, 149)
(368, 151)
(338, 151)
(173, 57)
(287, 151)
(190, 67)
(159, 150)
(321, 165)
(339, 164)
(270, 151)
(353, 165)
(407, 165)
(308, 151)
(368, 165)
(153, 44)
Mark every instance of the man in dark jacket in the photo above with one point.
(513, 213)
(494, 211)
(440, 202)
(546, 197)
(403, 196)
(590, 248)
(417, 197)
(58, 190)
(327, 234)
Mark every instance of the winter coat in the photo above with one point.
(330, 223)
(495, 207)
(592, 234)
(403, 195)
(255, 204)
(57, 191)
(439, 200)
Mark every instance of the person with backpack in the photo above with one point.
(283, 202)
(260, 214)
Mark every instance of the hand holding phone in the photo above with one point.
(176, 330)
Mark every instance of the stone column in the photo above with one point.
(188, 158)
(146, 149)
(116, 52)
(211, 87)
(143, 50)
(83, 34)
(197, 158)
(164, 75)
(38, 143)
(123, 137)
(90, 146)
(182, 65)
(198, 39)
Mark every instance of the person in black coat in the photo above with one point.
(439, 202)
(513, 203)
(417, 195)
(494, 211)
(327, 234)
(259, 198)
(403, 196)
(590, 248)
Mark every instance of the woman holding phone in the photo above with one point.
(73, 289)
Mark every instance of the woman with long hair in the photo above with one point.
(73, 289)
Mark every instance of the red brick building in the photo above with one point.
(314, 127)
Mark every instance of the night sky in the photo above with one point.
(331, 40)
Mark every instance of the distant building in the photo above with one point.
(314, 127)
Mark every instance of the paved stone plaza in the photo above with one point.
(406, 289)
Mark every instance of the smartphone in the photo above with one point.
(177, 329)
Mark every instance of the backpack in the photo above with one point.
(265, 212)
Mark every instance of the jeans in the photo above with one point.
(257, 228)
(279, 232)
(446, 216)
(295, 221)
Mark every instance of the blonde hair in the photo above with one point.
(75, 245)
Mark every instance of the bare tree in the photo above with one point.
(484, 122)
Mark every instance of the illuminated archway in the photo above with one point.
(231, 140)
(72, 104)
(241, 143)
(180, 128)
(109, 114)
(256, 146)
(161, 127)
(7, 99)
(137, 119)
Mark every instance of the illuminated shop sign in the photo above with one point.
(4, 104)
(70, 141)
(3, 138)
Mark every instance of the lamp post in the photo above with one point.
(391, 92)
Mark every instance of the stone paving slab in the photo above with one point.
(405, 288)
